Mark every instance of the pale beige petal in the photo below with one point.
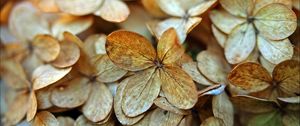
(213, 121)
(122, 118)
(68, 55)
(43, 98)
(225, 21)
(252, 104)
(275, 51)
(113, 11)
(223, 109)
(275, 21)
(78, 7)
(82, 121)
(65, 121)
(161, 117)
(45, 118)
(220, 36)
(140, 92)
(32, 106)
(46, 47)
(238, 7)
(46, 75)
(266, 64)
(262, 3)
(164, 104)
(100, 103)
(240, 43)
(201, 7)
(191, 69)
(171, 7)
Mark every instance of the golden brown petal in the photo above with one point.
(46, 47)
(45, 118)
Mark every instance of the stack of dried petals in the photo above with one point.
(216, 63)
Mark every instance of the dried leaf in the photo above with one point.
(250, 77)
(223, 109)
(45, 118)
(225, 21)
(240, 43)
(275, 25)
(100, 96)
(275, 51)
(46, 74)
(266, 119)
(141, 91)
(113, 10)
(71, 94)
(168, 48)
(252, 104)
(192, 70)
(72, 24)
(237, 7)
(32, 107)
(107, 71)
(213, 121)
(130, 50)
(69, 54)
(213, 66)
(46, 47)
(161, 117)
(122, 118)
(291, 119)
(163, 103)
(287, 76)
(178, 87)
(79, 7)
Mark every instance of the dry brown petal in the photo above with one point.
(46, 47)
(113, 11)
(225, 21)
(238, 7)
(32, 107)
(200, 7)
(161, 117)
(220, 36)
(275, 51)
(25, 22)
(277, 24)
(213, 66)
(95, 44)
(107, 71)
(178, 87)
(130, 50)
(79, 7)
(100, 96)
(65, 121)
(163, 103)
(291, 119)
(122, 118)
(213, 121)
(252, 104)
(182, 26)
(141, 91)
(262, 3)
(72, 24)
(46, 5)
(17, 109)
(172, 7)
(169, 49)
(45, 118)
(69, 54)
(152, 7)
(223, 109)
(46, 74)
(43, 98)
(5, 11)
(71, 94)
(250, 77)
(266, 64)
(287, 76)
(240, 43)
(82, 121)
(192, 70)
(13, 74)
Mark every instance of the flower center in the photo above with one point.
(250, 19)
(158, 63)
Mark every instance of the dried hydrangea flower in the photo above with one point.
(267, 23)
